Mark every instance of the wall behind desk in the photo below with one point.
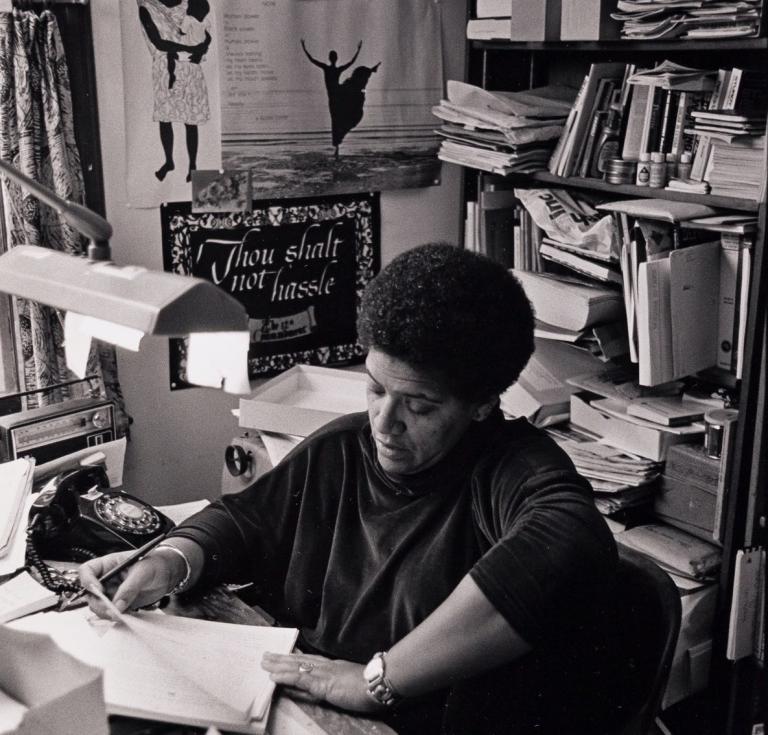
(178, 438)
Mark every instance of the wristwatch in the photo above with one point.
(379, 687)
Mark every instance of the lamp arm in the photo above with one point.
(84, 220)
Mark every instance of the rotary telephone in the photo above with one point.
(76, 517)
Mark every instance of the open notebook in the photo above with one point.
(182, 670)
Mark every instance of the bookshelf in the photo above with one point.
(735, 690)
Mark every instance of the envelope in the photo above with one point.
(61, 695)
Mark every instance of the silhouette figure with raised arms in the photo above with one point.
(345, 99)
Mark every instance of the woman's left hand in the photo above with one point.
(339, 683)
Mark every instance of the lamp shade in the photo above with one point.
(152, 302)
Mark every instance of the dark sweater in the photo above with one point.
(356, 560)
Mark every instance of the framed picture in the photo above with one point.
(298, 266)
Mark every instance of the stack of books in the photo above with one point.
(569, 310)
(501, 132)
(734, 118)
(670, 280)
(600, 91)
(644, 20)
(661, 102)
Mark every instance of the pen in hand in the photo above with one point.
(138, 554)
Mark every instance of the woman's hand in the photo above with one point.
(339, 683)
(141, 584)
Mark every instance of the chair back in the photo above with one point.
(651, 612)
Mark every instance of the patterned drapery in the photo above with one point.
(37, 137)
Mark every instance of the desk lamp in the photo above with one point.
(120, 304)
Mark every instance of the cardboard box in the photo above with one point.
(688, 490)
(588, 20)
(302, 399)
(646, 441)
(535, 20)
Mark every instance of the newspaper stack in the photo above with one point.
(687, 18)
(501, 132)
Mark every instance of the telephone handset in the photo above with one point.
(75, 517)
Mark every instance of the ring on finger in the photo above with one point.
(306, 666)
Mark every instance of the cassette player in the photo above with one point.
(53, 431)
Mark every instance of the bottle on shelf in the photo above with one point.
(643, 176)
(684, 166)
(657, 176)
(608, 144)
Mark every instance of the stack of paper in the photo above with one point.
(656, 19)
(737, 168)
(501, 132)
(625, 476)
(22, 595)
(15, 486)
(174, 669)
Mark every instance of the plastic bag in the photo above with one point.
(568, 220)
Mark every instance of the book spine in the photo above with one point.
(557, 153)
(653, 133)
(557, 162)
(676, 145)
(745, 272)
(635, 118)
(732, 90)
(726, 310)
(594, 133)
(666, 114)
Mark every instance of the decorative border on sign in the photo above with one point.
(179, 222)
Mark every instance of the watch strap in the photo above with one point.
(380, 687)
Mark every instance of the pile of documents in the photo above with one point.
(620, 479)
(736, 168)
(501, 132)
(16, 478)
(687, 18)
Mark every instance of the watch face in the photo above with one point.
(374, 668)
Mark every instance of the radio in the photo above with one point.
(52, 431)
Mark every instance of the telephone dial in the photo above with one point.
(76, 517)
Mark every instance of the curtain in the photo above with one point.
(37, 137)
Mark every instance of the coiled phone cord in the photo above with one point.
(51, 578)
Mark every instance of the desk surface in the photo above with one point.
(287, 717)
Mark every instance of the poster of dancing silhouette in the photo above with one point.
(171, 90)
(330, 96)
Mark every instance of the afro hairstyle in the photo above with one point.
(455, 314)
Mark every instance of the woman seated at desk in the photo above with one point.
(446, 567)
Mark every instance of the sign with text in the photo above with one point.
(298, 267)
